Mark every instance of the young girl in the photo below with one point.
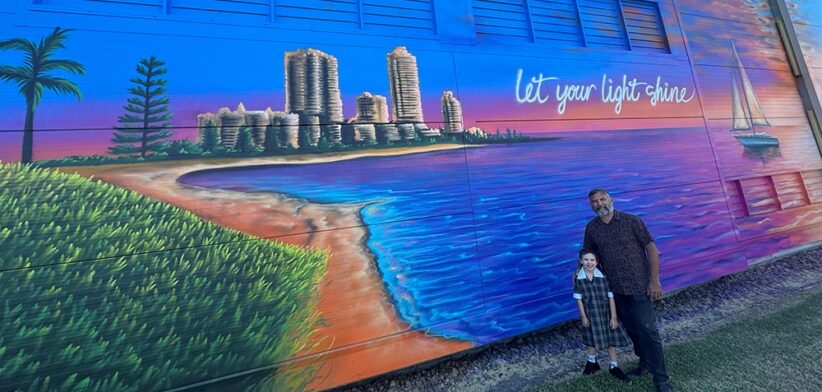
(601, 328)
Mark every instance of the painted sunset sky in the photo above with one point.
(206, 74)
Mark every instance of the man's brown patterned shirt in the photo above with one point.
(620, 245)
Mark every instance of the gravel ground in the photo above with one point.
(557, 353)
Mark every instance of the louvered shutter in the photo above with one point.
(398, 15)
(129, 7)
(235, 11)
(501, 20)
(556, 22)
(645, 27)
(602, 24)
(343, 14)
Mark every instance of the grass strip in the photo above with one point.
(777, 351)
(222, 302)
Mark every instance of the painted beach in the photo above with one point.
(429, 220)
(502, 230)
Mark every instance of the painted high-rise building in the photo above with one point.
(372, 108)
(312, 84)
(451, 113)
(312, 91)
(404, 85)
(286, 129)
(371, 122)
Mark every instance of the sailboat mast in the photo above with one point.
(744, 97)
(739, 121)
(755, 113)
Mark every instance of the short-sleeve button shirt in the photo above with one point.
(620, 244)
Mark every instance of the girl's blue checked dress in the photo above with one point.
(594, 294)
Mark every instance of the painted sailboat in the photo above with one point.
(747, 111)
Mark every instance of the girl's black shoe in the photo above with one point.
(591, 368)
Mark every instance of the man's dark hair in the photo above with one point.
(597, 190)
(583, 252)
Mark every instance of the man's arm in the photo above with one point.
(654, 287)
(588, 241)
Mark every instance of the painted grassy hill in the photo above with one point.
(102, 289)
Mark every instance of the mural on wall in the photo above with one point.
(746, 109)
(805, 16)
(309, 210)
(768, 188)
(32, 77)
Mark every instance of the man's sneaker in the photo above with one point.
(591, 368)
(618, 374)
(639, 371)
(664, 387)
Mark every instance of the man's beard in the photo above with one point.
(604, 211)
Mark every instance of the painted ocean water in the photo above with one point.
(479, 243)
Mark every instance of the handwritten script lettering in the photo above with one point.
(613, 90)
(533, 90)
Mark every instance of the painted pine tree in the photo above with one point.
(146, 122)
(210, 139)
(271, 136)
(245, 142)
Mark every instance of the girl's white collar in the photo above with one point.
(597, 274)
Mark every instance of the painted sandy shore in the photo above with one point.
(361, 334)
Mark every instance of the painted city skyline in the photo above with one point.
(313, 106)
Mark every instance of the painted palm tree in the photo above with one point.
(32, 77)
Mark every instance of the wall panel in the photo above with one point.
(424, 194)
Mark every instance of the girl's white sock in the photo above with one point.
(592, 358)
(612, 364)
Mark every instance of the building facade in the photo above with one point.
(307, 239)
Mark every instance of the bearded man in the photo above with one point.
(630, 261)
